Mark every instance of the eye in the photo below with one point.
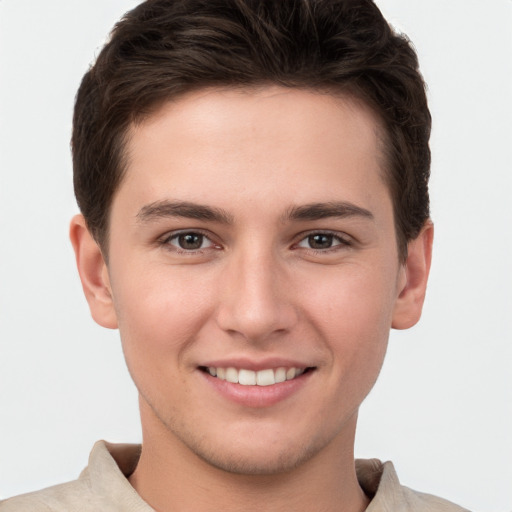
(322, 241)
(189, 241)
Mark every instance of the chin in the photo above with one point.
(260, 463)
(255, 453)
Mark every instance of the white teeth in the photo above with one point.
(247, 377)
(232, 375)
(266, 377)
(280, 375)
(290, 373)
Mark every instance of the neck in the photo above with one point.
(169, 476)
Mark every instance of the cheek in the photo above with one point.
(159, 313)
(352, 311)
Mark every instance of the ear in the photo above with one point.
(413, 279)
(93, 273)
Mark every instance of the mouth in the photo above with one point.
(264, 377)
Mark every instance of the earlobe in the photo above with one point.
(409, 303)
(93, 273)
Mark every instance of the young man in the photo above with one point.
(252, 177)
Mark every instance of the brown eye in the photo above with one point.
(320, 241)
(189, 241)
(323, 241)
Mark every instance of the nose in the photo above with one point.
(255, 298)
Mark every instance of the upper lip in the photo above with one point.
(256, 365)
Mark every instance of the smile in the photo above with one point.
(266, 377)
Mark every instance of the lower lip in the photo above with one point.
(257, 396)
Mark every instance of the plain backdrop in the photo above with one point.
(442, 410)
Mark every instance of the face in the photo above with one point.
(254, 273)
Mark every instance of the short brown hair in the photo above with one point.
(165, 48)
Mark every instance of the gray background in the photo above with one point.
(442, 409)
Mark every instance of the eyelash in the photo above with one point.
(167, 240)
(341, 242)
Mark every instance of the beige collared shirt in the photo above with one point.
(103, 487)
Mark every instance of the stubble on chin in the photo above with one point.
(239, 458)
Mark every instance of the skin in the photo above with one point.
(266, 283)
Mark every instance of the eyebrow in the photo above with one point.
(189, 210)
(185, 209)
(318, 211)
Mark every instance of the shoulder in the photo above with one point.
(419, 501)
(102, 486)
(380, 482)
(67, 497)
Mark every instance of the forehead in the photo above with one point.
(219, 119)
(232, 145)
